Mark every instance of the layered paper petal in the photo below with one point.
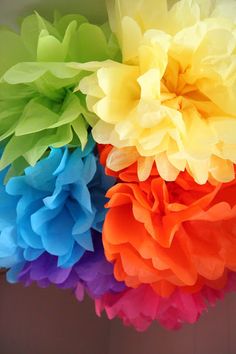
(170, 234)
(172, 99)
(53, 207)
(140, 307)
(39, 108)
(91, 273)
(144, 221)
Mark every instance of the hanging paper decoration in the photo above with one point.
(118, 153)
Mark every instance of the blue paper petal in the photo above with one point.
(53, 207)
(85, 240)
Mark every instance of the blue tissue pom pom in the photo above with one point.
(53, 208)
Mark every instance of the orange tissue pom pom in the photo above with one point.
(170, 234)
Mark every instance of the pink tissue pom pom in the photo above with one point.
(139, 307)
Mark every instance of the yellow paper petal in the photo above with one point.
(118, 159)
(172, 99)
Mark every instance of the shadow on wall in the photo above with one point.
(12, 10)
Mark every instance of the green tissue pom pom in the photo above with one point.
(38, 105)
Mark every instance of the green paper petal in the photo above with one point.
(54, 138)
(36, 117)
(80, 128)
(30, 72)
(8, 117)
(17, 147)
(91, 43)
(112, 42)
(90, 117)
(43, 24)
(49, 48)
(15, 92)
(38, 105)
(35, 145)
(70, 111)
(62, 23)
(12, 50)
(16, 169)
(62, 137)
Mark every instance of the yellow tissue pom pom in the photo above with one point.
(172, 101)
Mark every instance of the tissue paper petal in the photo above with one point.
(140, 307)
(39, 108)
(170, 228)
(92, 272)
(172, 99)
(46, 206)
